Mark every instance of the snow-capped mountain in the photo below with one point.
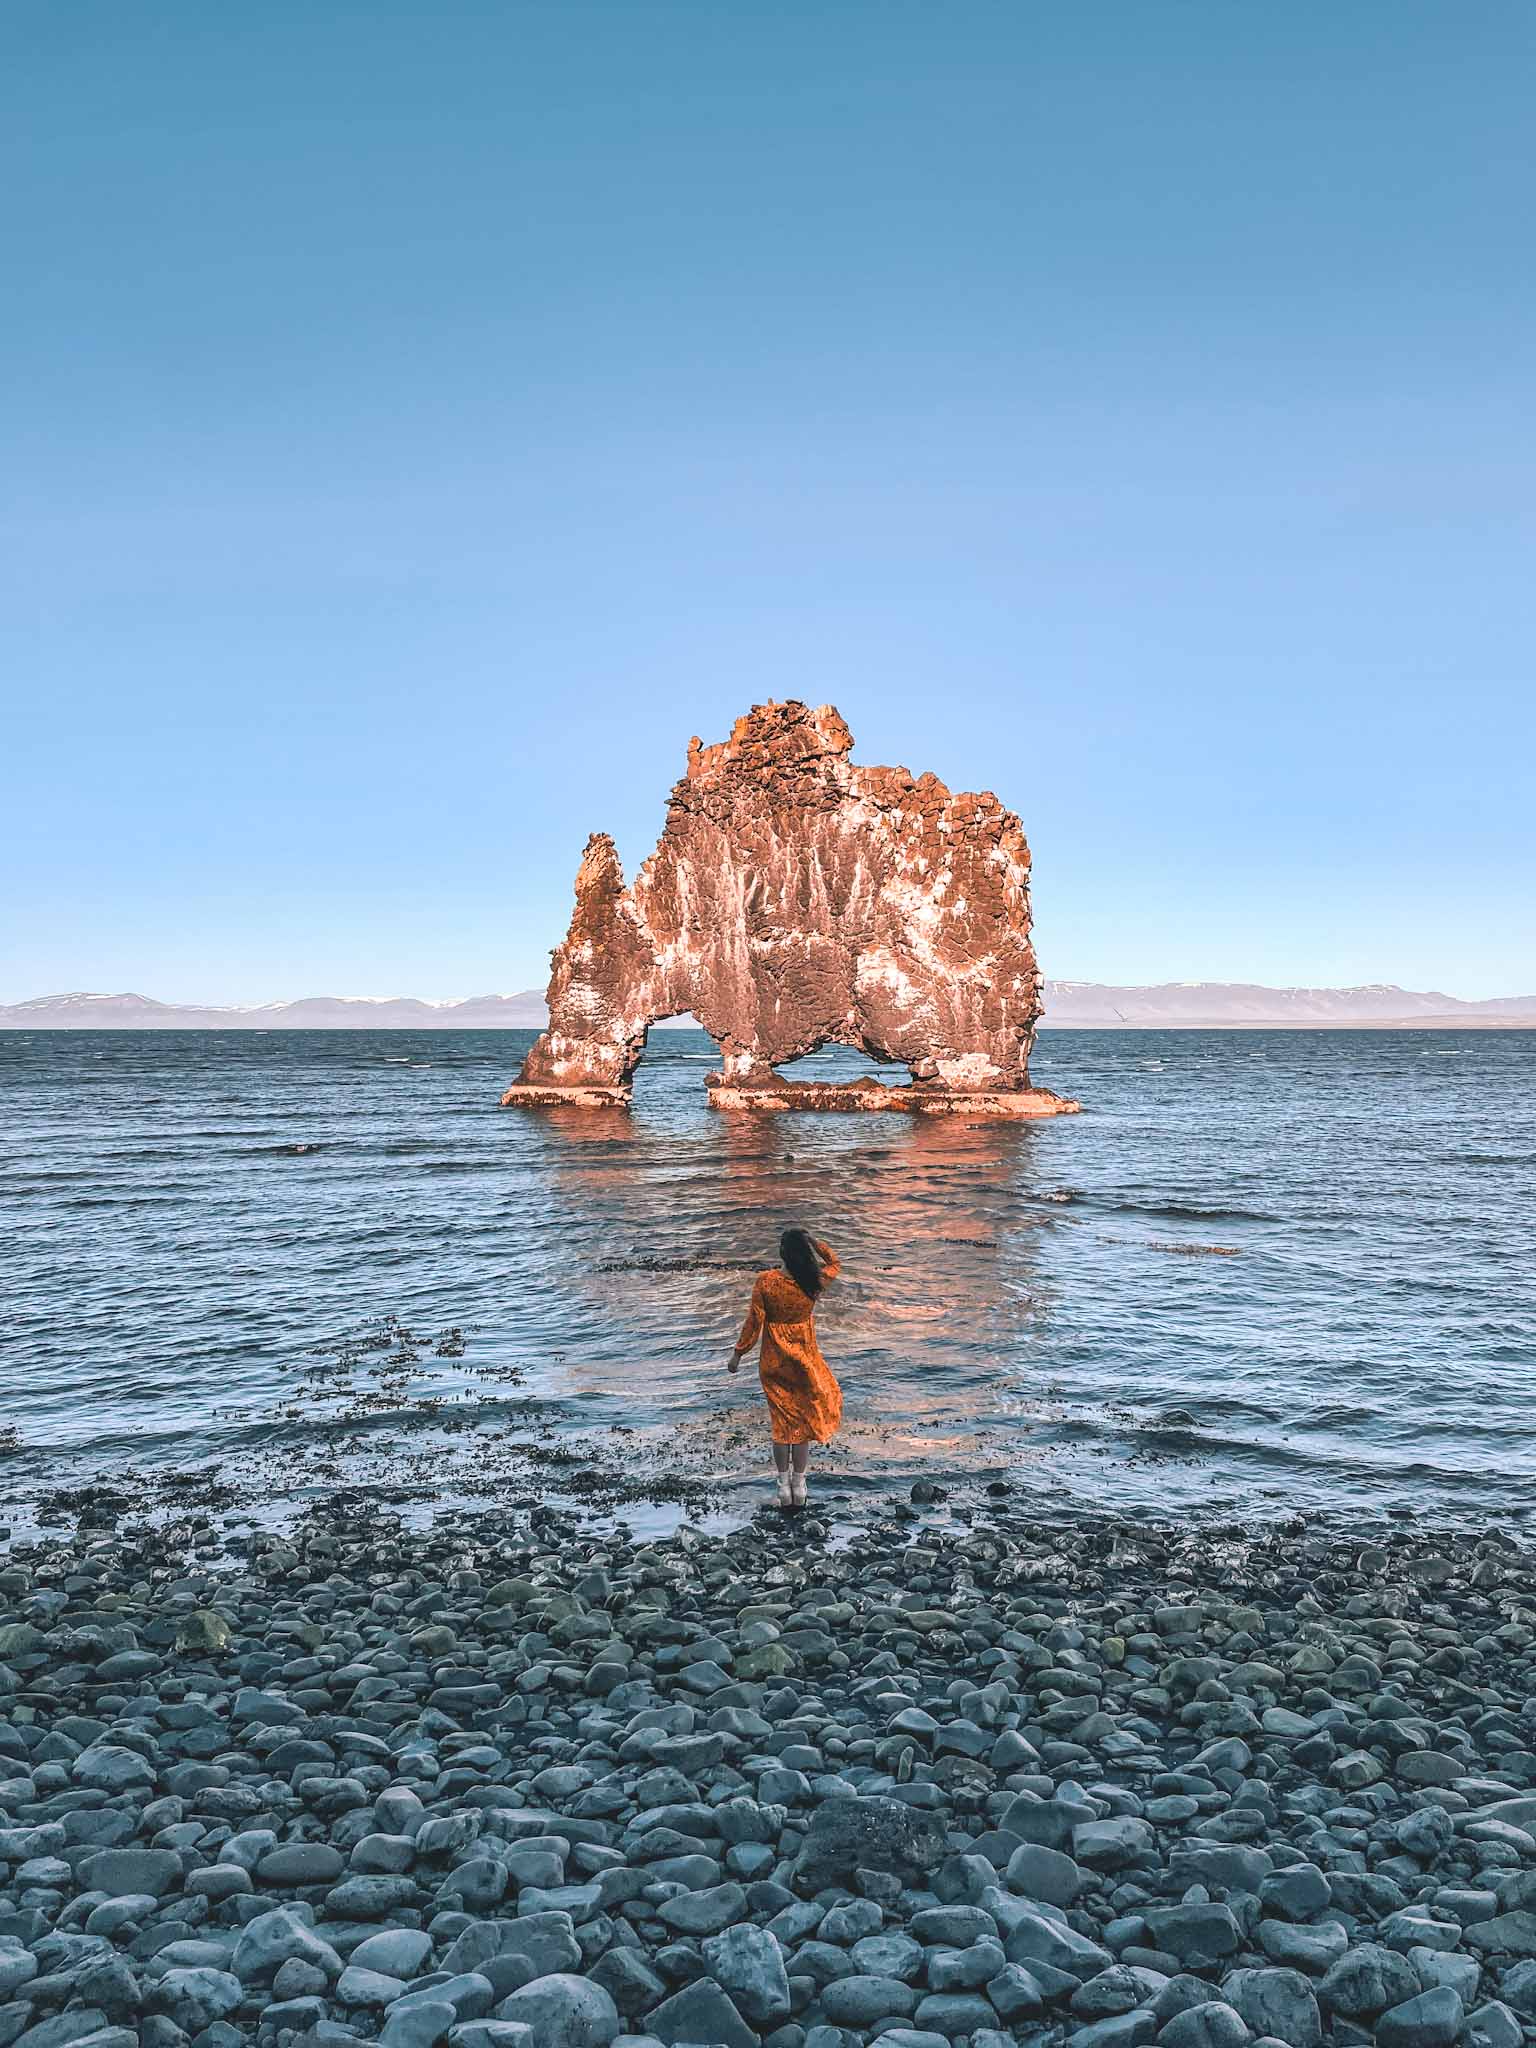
(1238, 1003)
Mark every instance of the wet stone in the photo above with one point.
(357, 1987)
(563, 2011)
(868, 1833)
(748, 1965)
(1213, 2024)
(194, 1998)
(297, 1864)
(1493, 2025)
(706, 1911)
(1039, 1872)
(470, 1993)
(132, 1872)
(1125, 2030)
(1198, 1936)
(1278, 2003)
(1314, 1949)
(699, 2012)
(1366, 1981)
(1431, 2020)
(1114, 1844)
(858, 2001)
(421, 2025)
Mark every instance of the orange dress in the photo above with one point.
(805, 1403)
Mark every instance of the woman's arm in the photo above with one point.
(830, 1266)
(751, 1329)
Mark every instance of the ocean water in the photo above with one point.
(1264, 1271)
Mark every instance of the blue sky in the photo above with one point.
(419, 419)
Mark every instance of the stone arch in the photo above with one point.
(795, 901)
(863, 1045)
(642, 1060)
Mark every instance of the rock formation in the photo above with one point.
(795, 900)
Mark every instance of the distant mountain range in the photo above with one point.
(1232, 1005)
(82, 1012)
(1172, 1005)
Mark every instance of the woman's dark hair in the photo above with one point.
(799, 1256)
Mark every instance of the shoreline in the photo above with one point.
(969, 1776)
(606, 1480)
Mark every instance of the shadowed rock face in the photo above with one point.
(796, 900)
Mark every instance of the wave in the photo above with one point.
(1337, 1415)
(1197, 1251)
(1338, 1463)
(1191, 1212)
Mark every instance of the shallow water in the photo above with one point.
(1265, 1269)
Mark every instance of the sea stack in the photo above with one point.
(797, 900)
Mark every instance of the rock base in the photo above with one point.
(913, 1100)
(919, 1100)
(535, 1095)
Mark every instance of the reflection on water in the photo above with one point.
(1261, 1269)
(939, 1288)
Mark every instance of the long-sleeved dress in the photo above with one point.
(805, 1403)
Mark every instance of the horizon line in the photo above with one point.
(538, 994)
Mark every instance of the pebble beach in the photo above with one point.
(961, 1780)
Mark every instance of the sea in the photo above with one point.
(1262, 1274)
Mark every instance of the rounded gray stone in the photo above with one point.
(1367, 1980)
(1280, 2003)
(1214, 2024)
(564, 2012)
(1432, 2020)
(395, 1952)
(701, 2011)
(1038, 1872)
(748, 1965)
(123, 1873)
(865, 2001)
(194, 1999)
(849, 1835)
(300, 1863)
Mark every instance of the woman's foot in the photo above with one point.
(786, 1492)
(797, 1489)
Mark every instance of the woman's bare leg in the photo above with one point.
(781, 1466)
(800, 1453)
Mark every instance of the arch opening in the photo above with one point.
(833, 1062)
(675, 1053)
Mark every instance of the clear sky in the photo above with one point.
(417, 420)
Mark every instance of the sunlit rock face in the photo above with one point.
(795, 900)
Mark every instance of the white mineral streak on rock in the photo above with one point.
(970, 1070)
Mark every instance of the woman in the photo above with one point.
(805, 1403)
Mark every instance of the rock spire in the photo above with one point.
(796, 900)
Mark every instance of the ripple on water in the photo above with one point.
(1350, 1317)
